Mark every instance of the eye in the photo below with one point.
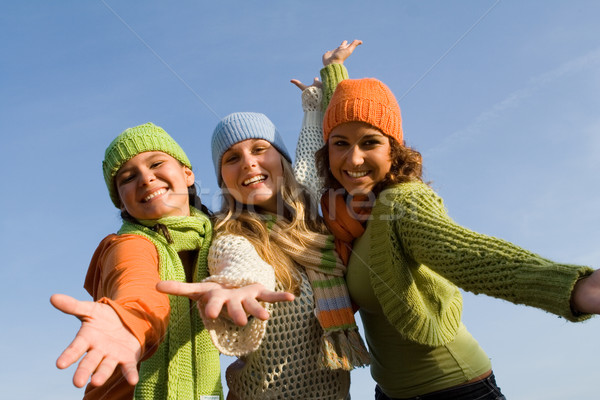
(340, 142)
(371, 142)
(260, 148)
(156, 164)
(230, 158)
(124, 179)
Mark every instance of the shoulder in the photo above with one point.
(124, 250)
(119, 253)
(126, 243)
(408, 196)
(233, 248)
(231, 243)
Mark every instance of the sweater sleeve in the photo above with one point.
(309, 141)
(480, 263)
(331, 75)
(234, 262)
(123, 273)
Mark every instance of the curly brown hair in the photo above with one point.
(407, 166)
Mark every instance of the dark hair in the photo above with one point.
(407, 166)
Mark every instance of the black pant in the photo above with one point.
(485, 389)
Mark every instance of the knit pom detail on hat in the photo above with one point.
(366, 100)
(241, 126)
(130, 143)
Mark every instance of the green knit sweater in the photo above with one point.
(418, 254)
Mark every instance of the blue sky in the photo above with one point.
(501, 98)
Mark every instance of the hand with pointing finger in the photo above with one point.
(212, 297)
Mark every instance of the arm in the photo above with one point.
(310, 139)
(239, 280)
(333, 71)
(129, 317)
(476, 262)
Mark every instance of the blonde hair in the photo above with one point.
(297, 213)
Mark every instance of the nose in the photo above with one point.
(356, 156)
(146, 177)
(249, 161)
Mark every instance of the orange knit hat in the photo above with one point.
(368, 100)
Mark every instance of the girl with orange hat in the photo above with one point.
(407, 258)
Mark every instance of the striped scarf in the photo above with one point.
(186, 364)
(342, 347)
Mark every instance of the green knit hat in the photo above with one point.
(130, 143)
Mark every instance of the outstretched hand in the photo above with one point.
(302, 86)
(586, 294)
(103, 341)
(340, 53)
(240, 302)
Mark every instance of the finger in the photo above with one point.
(130, 373)
(344, 43)
(254, 308)
(104, 371)
(237, 313)
(273, 297)
(355, 43)
(70, 305)
(213, 306)
(299, 84)
(317, 83)
(86, 368)
(192, 290)
(73, 352)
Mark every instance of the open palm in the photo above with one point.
(103, 342)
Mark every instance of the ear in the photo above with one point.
(189, 176)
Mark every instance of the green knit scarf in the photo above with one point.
(186, 364)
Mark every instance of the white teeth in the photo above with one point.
(154, 194)
(357, 174)
(254, 179)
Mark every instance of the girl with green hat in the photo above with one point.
(130, 324)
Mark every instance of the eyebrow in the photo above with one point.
(367, 136)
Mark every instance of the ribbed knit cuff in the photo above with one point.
(551, 288)
(331, 75)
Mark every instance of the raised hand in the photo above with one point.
(302, 87)
(340, 53)
(103, 342)
(211, 297)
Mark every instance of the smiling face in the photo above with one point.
(153, 185)
(359, 156)
(252, 171)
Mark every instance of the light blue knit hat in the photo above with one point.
(241, 126)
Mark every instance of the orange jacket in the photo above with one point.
(123, 273)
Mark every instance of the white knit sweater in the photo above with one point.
(278, 358)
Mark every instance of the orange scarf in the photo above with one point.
(344, 220)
